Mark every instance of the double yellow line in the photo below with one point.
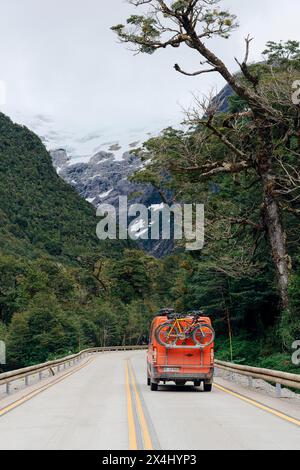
(135, 409)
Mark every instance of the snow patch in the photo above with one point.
(107, 193)
(157, 207)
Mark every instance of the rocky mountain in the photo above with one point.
(103, 178)
(60, 159)
(221, 99)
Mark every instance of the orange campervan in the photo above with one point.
(181, 349)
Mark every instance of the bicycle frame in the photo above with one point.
(178, 324)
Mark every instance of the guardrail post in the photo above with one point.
(278, 390)
(40, 375)
(26, 380)
(8, 388)
(250, 382)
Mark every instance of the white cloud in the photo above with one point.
(65, 70)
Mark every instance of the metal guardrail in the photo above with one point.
(277, 377)
(53, 367)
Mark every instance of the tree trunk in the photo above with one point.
(278, 243)
(272, 215)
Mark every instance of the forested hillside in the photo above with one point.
(61, 289)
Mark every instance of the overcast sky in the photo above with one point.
(60, 60)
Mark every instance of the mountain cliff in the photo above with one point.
(103, 178)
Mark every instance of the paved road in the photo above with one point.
(107, 405)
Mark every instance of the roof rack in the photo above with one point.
(192, 346)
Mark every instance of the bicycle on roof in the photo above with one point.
(181, 327)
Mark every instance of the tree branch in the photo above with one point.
(216, 168)
(200, 72)
(243, 221)
(223, 139)
(254, 79)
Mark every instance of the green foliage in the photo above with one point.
(253, 351)
(246, 348)
(236, 104)
(282, 53)
(43, 329)
(220, 20)
(145, 32)
(129, 276)
(150, 32)
(38, 208)
(179, 5)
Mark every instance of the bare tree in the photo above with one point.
(165, 24)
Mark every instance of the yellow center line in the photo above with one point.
(31, 395)
(142, 420)
(131, 424)
(259, 405)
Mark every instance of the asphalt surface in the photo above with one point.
(106, 404)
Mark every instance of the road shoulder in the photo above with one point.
(288, 406)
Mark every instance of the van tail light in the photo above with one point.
(212, 356)
(154, 355)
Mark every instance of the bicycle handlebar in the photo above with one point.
(196, 314)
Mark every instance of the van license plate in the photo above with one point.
(171, 369)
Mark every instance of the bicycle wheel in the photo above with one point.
(203, 335)
(167, 334)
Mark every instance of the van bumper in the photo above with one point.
(188, 377)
